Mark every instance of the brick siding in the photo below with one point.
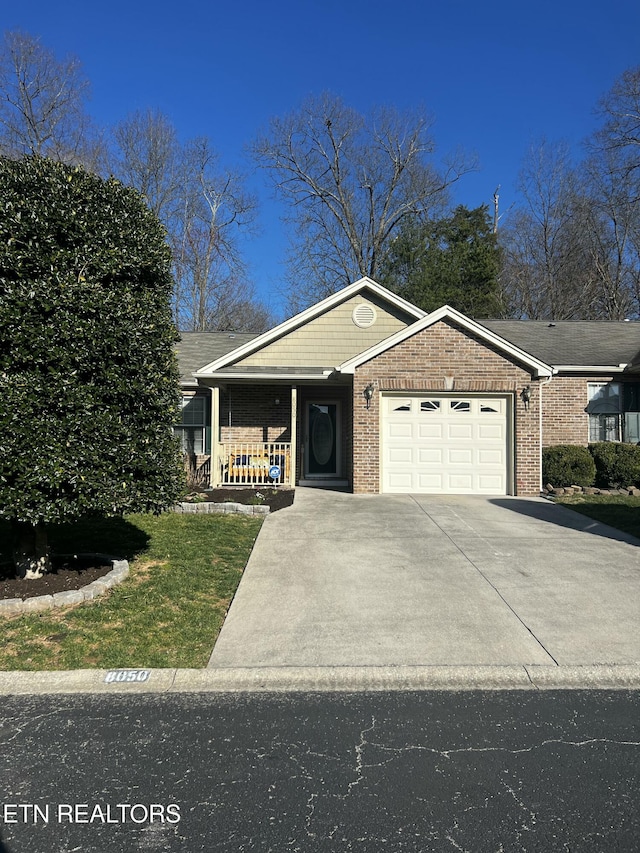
(250, 413)
(564, 403)
(420, 363)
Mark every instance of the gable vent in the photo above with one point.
(364, 315)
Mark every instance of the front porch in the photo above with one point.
(270, 435)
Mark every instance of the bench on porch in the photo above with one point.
(250, 463)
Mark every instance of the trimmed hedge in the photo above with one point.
(616, 464)
(568, 465)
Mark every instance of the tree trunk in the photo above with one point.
(30, 549)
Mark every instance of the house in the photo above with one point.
(365, 390)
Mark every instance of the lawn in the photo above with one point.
(619, 511)
(184, 572)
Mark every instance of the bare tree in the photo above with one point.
(149, 157)
(548, 272)
(350, 181)
(615, 148)
(205, 210)
(620, 111)
(608, 223)
(42, 104)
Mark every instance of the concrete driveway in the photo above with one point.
(341, 580)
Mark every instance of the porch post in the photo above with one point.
(215, 437)
(294, 430)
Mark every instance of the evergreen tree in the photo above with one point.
(88, 377)
(452, 261)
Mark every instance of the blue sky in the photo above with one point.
(495, 76)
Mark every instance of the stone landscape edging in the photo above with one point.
(38, 603)
(227, 507)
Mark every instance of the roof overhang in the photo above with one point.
(591, 368)
(307, 315)
(283, 376)
(539, 368)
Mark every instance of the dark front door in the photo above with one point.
(322, 445)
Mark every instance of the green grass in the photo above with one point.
(619, 511)
(184, 572)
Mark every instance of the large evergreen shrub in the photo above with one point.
(88, 377)
(616, 464)
(567, 465)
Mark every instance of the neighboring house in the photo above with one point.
(367, 391)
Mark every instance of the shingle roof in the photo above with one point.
(573, 342)
(565, 342)
(196, 349)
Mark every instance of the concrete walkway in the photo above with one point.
(342, 580)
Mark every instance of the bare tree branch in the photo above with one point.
(350, 181)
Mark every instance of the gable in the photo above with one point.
(446, 349)
(334, 336)
(470, 328)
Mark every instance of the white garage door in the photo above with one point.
(445, 445)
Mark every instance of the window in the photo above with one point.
(193, 428)
(430, 406)
(460, 406)
(605, 411)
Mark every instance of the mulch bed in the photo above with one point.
(71, 574)
(275, 499)
(67, 574)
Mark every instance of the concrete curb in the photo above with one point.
(38, 603)
(322, 679)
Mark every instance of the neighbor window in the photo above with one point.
(605, 411)
(193, 427)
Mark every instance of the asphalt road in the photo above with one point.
(433, 771)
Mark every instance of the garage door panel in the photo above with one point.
(398, 455)
(462, 456)
(489, 431)
(446, 444)
(401, 481)
(430, 431)
(402, 430)
(490, 457)
(460, 431)
(488, 484)
(463, 482)
(429, 482)
(430, 456)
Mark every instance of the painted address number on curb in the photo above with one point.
(118, 676)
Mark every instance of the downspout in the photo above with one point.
(540, 386)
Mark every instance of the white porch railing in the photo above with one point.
(249, 463)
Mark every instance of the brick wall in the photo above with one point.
(420, 363)
(564, 400)
(250, 413)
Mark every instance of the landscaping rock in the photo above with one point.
(39, 602)
(120, 569)
(10, 606)
(207, 507)
(93, 590)
(60, 599)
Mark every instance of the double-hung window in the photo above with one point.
(605, 411)
(193, 427)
